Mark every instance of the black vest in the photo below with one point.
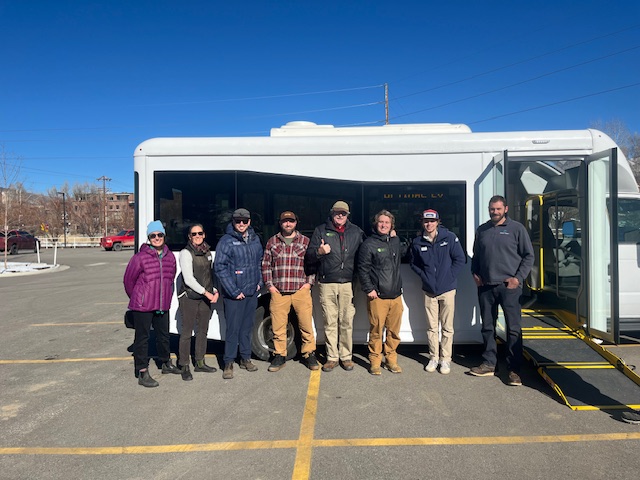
(201, 271)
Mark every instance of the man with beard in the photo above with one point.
(283, 274)
(502, 259)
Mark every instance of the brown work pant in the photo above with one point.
(384, 313)
(280, 307)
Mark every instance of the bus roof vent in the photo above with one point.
(310, 129)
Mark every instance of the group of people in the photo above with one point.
(337, 253)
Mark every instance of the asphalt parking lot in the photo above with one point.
(70, 406)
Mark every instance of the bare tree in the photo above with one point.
(87, 208)
(9, 177)
(628, 142)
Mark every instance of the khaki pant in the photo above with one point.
(337, 306)
(440, 310)
(384, 313)
(280, 307)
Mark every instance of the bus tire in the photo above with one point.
(262, 339)
(117, 247)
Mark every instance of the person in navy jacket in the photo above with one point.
(437, 257)
(238, 268)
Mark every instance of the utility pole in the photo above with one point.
(64, 217)
(386, 104)
(104, 180)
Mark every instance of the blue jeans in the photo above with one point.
(239, 315)
(490, 296)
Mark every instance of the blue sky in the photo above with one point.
(84, 82)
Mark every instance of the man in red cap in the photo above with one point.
(437, 257)
(283, 274)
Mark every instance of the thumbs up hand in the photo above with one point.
(324, 248)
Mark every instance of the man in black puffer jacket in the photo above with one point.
(379, 273)
(332, 252)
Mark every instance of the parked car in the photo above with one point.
(126, 238)
(18, 240)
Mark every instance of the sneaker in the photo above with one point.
(248, 365)
(203, 367)
(228, 371)
(330, 365)
(145, 380)
(375, 370)
(311, 361)
(169, 367)
(347, 365)
(631, 417)
(483, 370)
(393, 367)
(431, 366)
(445, 367)
(277, 363)
(186, 373)
(514, 379)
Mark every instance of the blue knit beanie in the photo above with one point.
(155, 226)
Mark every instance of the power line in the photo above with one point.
(555, 103)
(520, 83)
(536, 57)
(263, 97)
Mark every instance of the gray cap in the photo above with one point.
(241, 213)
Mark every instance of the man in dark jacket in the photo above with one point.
(332, 251)
(379, 273)
(502, 259)
(437, 257)
(237, 266)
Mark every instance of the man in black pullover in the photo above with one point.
(502, 259)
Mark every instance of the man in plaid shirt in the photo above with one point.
(283, 274)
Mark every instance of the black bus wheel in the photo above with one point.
(262, 339)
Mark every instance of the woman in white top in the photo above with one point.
(195, 297)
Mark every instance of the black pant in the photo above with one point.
(195, 315)
(143, 322)
(490, 296)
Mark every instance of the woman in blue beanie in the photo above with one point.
(148, 281)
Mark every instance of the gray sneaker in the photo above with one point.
(431, 366)
(631, 417)
(445, 367)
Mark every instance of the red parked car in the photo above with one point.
(18, 240)
(126, 238)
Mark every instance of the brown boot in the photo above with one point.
(228, 371)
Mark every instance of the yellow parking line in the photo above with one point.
(303, 471)
(400, 442)
(65, 360)
(145, 449)
(304, 450)
(73, 324)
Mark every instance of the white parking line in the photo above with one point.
(96, 264)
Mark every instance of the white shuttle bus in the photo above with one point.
(561, 177)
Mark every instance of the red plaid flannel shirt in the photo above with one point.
(283, 265)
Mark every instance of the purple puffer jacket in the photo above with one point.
(148, 281)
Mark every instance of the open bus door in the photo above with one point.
(601, 241)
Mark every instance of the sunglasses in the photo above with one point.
(240, 220)
(197, 234)
(288, 220)
(429, 220)
(340, 214)
(156, 235)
